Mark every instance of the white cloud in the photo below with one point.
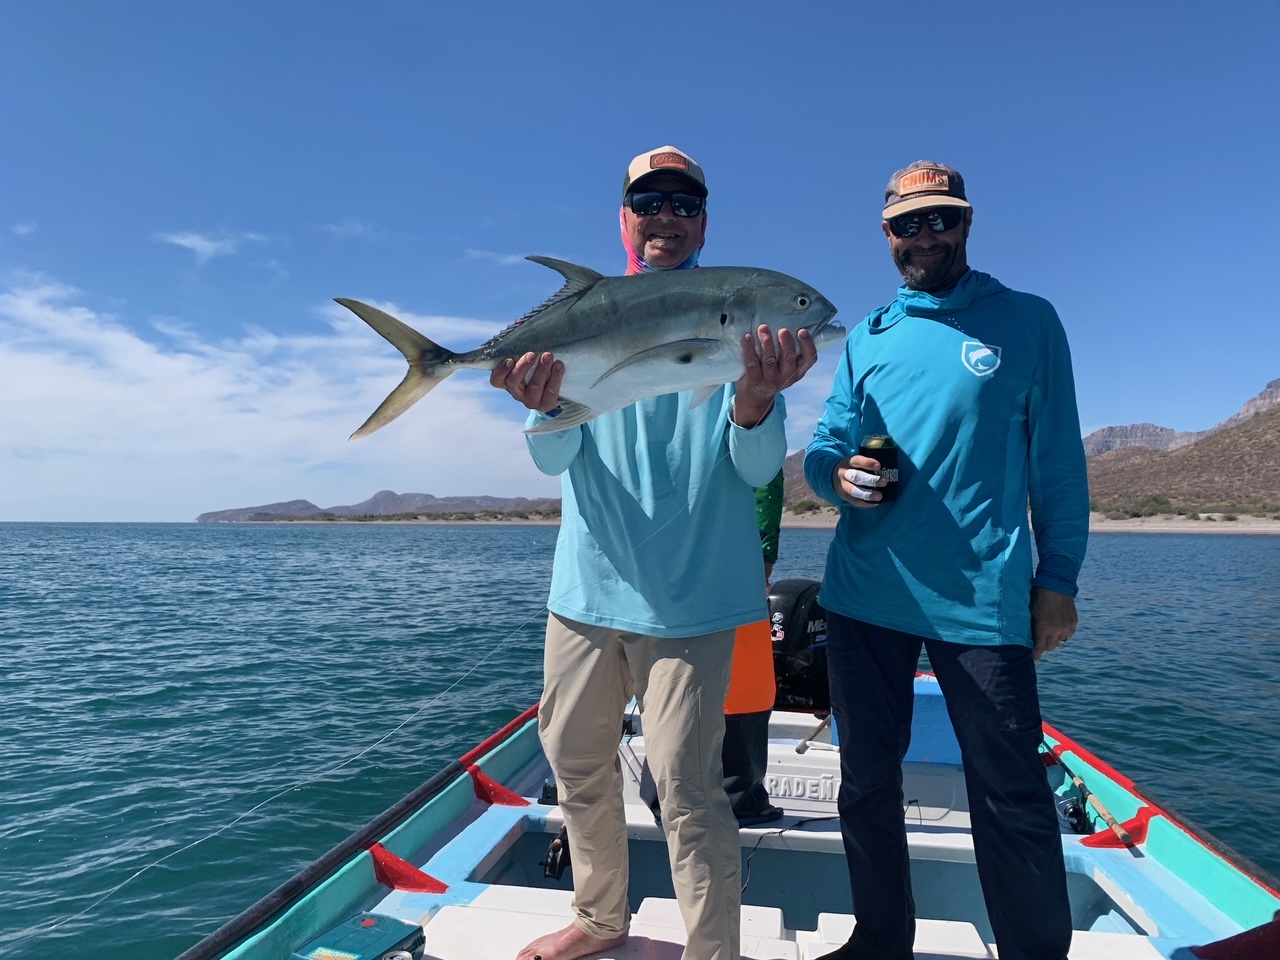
(23, 229)
(102, 419)
(205, 247)
(99, 422)
(353, 230)
(502, 259)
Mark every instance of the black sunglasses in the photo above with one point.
(939, 219)
(648, 203)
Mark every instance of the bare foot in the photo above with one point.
(567, 944)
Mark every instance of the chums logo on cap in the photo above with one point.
(923, 184)
(661, 161)
(924, 180)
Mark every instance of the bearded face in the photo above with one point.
(931, 261)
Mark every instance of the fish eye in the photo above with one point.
(802, 301)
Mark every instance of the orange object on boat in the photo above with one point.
(752, 688)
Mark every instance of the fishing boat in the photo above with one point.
(474, 863)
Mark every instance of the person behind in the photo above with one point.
(753, 686)
(752, 691)
(973, 381)
(657, 562)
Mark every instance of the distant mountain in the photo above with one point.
(1237, 465)
(1130, 463)
(384, 503)
(268, 511)
(794, 486)
(1163, 438)
(1241, 465)
(1145, 435)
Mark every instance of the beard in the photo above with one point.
(936, 274)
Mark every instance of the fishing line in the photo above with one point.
(288, 789)
(501, 643)
(799, 824)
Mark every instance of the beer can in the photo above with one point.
(880, 447)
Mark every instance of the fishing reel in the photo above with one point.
(557, 856)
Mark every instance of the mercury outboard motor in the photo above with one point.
(799, 628)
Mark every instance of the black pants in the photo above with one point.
(995, 710)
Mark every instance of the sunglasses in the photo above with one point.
(648, 203)
(939, 219)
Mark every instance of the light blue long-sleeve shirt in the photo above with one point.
(658, 529)
(976, 388)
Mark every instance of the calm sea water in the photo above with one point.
(191, 714)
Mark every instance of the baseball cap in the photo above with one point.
(923, 184)
(665, 160)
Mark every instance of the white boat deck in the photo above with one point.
(498, 923)
(504, 903)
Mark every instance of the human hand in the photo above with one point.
(533, 380)
(1053, 619)
(855, 481)
(769, 369)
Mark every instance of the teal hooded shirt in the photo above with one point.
(658, 529)
(976, 388)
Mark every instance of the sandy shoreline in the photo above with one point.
(826, 519)
(1100, 524)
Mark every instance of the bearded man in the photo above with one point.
(973, 383)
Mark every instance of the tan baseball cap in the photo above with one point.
(665, 160)
(922, 185)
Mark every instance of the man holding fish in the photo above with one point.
(658, 561)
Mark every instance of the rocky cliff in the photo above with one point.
(1163, 438)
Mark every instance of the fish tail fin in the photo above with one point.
(428, 364)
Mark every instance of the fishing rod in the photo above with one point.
(803, 745)
(1090, 797)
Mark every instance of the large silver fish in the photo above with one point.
(621, 338)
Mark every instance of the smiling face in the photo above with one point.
(931, 261)
(664, 240)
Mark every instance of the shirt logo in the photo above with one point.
(979, 359)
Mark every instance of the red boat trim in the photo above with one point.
(1197, 833)
(270, 907)
(1136, 828)
(490, 791)
(275, 903)
(478, 751)
(400, 874)
(1066, 743)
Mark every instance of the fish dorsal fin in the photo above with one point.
(578, 280)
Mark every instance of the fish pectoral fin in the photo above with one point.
(572, 414)
(678, 351)
(703, 394)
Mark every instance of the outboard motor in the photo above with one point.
(799, 628)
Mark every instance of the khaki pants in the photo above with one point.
(590, 674)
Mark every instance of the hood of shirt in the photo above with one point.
(971, 287)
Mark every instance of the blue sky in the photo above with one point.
(185, 187)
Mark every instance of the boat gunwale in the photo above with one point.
(1217, 847)
(268, 909)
